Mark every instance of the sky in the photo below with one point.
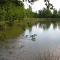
(40, 5)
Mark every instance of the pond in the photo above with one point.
(39, 42)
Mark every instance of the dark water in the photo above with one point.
(40, 42)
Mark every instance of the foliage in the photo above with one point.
(45, 13)
(29, 14)
(54, 13)
(58, 13)
(11, 10)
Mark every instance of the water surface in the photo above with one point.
(42, 39)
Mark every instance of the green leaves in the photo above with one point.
(11, 10)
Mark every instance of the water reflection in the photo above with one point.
(47, 38)
(42, 27)
(34, 42)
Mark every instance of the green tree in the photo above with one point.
(28, 12)
(59, 13)
(11, 9)
(54, 13)
(45, 13)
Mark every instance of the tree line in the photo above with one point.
(48, 12)
(14, 10)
